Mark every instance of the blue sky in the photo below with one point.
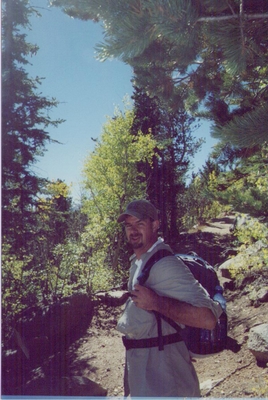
(88, 91)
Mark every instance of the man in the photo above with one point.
(170, 290)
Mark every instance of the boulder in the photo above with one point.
(241, 220)
(263, 295)
(60, 318)
(235, 263)
(258, 342)
(224, 269)
(259, 294)
(53, 328)
(113, 298)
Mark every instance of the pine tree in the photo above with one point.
(241, 181)
(208, 54)
(24, 127)
(175, 147)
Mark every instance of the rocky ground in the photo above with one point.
(99, 355)
(232, 373)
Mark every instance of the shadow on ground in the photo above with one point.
(214, 248)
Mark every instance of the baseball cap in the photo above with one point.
(140, 209)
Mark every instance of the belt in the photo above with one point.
(151, 342)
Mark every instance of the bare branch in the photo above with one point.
(231, 8)
(227, 17)
(241, 14)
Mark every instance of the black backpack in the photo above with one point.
(199, 341)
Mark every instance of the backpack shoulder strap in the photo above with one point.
(142, 278)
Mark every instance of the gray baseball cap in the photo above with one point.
(140, 209)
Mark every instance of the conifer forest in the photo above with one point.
(192, 60)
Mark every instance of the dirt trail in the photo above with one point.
(99, 355)
(231, 373)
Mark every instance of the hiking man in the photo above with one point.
(171, 290)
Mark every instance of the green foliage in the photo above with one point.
(251, 264)
(210, 58)
(65, 269)
(260, 389)
(53, 210)
(173, 131)
(252, 236)
(199, 205)
(244, 187)
(112, 179)
(58, 261)
(110, 171)
(25, 120)
(19, 289)
(31, 275)
(103, 277)
(12, 281)
(251, 231)
(241, 131)
(26, 282)
(185, 56)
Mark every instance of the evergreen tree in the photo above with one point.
(175, 147)
(207, 54)
(245, 186)
(24, 127)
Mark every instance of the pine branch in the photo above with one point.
(245, 131)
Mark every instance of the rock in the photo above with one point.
(241, 220)
(263, 295)
(208, 384)
(224, 269)
(113, 298)
(61, 319)
(47, 330)
(256, 247)
(258, 342)
(260, 295)
(241, 260)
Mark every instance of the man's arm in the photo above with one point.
(179, 311)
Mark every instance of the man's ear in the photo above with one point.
(156, 225)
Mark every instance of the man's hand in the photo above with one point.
(179, 311)
(145, 298)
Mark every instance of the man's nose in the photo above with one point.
(133, 229)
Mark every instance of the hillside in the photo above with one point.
(232, 373)
(99, 354)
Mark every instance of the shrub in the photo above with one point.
(252, 237)
(251, 231)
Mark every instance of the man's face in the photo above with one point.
(141, 233)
